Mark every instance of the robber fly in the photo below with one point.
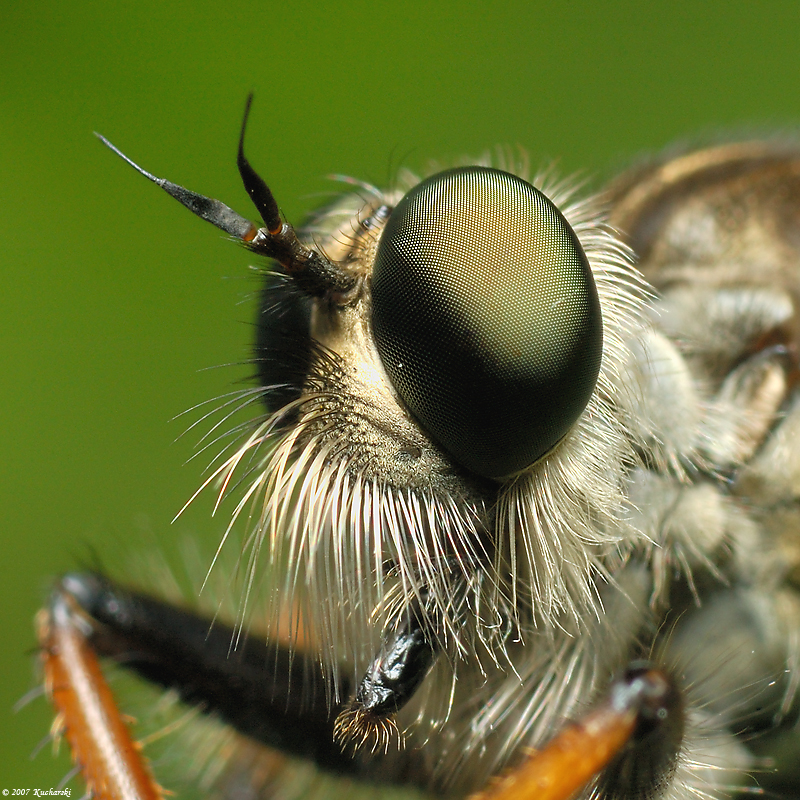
(506, 489)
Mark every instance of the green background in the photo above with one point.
(114, 299)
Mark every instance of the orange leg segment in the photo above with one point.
(101, 744)
(584, 748)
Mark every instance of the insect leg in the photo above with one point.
(101, 744)
(639, 705)
(266, 692)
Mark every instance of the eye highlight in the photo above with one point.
(486, 317)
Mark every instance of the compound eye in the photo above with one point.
(486, 317)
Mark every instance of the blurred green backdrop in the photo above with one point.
(114, 299)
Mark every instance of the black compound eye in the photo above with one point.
(486, 317)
